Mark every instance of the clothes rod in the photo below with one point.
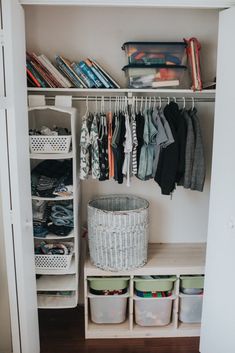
(139, 99)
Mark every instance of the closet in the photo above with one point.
(98, 29)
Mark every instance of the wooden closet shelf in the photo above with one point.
(163, 259)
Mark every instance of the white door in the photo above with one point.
(218, 327)
(15, 180)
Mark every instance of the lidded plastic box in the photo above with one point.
(156, 76)
(148, 53)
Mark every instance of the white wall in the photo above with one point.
(78, 33)
(5, 329)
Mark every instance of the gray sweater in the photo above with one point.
(199, 167)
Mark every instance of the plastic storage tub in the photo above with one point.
(156, 76)
(153, 311)
(148, 53)
(190, 308)
(162, 284)
(108, 283)
(190, 282)
(108, 309)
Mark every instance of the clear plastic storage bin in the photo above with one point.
(190, 308)
(153, 311)
(148, 53)
(156, 76)
(106, 309)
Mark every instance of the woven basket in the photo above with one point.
(118, 232)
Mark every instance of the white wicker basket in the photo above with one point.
(118, 232)
(50, 144)
(53, 262)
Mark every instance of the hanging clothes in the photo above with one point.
(140, 120)
(168, 159)
(189, 151)
(127, 165)
(134, 144)
(161, 138)
(103, 148)
(84, 150)
(199, 167)
(110, 151)
(118, 147)
(94, 137)
(147, 150)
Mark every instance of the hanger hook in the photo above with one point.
(168, 100)
(136, 105)
(87, 108)
(96, 106)
(184, 102)
(193, 103)
(160, 102)
(174, 99)
(154, 102)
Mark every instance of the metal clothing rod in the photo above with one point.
(139, 99)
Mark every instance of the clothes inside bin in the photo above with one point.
(108, 309)
(152, 294)
(171, 53)
(153, 311)
(108, 292)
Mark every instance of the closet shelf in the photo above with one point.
(164, 259)
(56, 237)
(69, 155)
(52, 198)
(72, 270)
(73, 91)
(54, 283)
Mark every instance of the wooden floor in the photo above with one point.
(62, 331)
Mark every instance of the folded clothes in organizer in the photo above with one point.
(40, 215)
(52, 178)
(46, 131)
(49, 217)
(54, 248)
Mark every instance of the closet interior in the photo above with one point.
(179, 222)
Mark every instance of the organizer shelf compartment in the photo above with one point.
(163, 260)
(59, 272)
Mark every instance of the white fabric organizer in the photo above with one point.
(64, 114)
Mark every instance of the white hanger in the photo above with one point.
(193, 103)
(160, 102)
(184, 102)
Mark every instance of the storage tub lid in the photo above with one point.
(153, 43)
(153, 66)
